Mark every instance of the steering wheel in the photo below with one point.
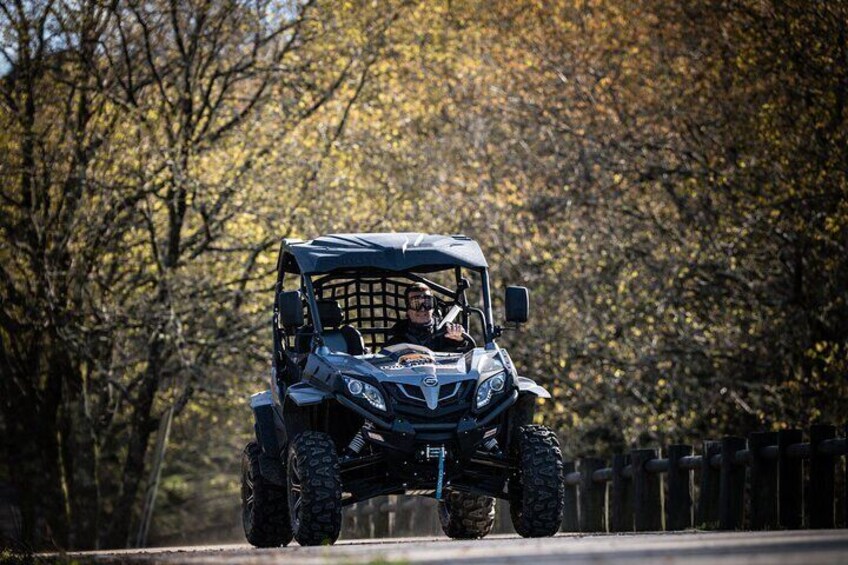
(464, 345)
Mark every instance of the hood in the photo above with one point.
(415, 366)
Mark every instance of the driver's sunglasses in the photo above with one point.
(421, 303)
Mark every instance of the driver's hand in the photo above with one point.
(453, 332)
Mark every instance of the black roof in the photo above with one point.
(381, 251)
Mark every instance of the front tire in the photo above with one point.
(537, 487)
(264, 506)
(466, 516)
(314, 489)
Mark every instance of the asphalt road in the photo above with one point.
(789, 547)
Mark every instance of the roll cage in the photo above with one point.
(371, 296)
(374, 301)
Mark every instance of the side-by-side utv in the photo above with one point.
(347, 418)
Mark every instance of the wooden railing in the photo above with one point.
(734, 483)
(628, 494)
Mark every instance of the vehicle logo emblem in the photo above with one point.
(430, 381)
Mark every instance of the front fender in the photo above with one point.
(269, 435)
(264, 425)
(304, 394)
(301, 406)
(529, 386)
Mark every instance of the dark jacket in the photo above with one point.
(406, 332)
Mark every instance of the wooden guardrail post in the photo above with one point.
(396, 511)
(405, 519)
(379, 517)
(732, 489)
(764, 491)
(570, 521)
(363, 520)
(822, 492)
(647, 492)
(592, 496)
(434, 525)
(678, 506)
(789, 480)
(709, 487)
(503, 522)
(620, 496)
(349, 521)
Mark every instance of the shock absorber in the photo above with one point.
(357, 443)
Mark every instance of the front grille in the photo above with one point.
(454, 402)
(412, 394)
(448, 391)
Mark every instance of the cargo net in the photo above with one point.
(370, 304)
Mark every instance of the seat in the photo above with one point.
(337, 336)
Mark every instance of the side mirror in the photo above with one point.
(517, 304)
(290, 308)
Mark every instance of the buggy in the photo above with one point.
(347, 418)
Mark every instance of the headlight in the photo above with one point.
(489, 388)
(359, 389)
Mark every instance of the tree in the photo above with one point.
(112, 272)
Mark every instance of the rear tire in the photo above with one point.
(264, 506)
(314, 489)
(466, 516)
(536, 489)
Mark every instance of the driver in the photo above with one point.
(419, 328)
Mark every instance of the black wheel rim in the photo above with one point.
(444, 509)
(247, 495)
(295, 493)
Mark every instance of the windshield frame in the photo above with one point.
(308, 288)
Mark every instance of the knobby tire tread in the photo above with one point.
(320, 514)
(466, 516)
(537, 488)
(268, 524)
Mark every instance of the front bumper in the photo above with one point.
(406, 437)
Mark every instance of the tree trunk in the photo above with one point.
(81, 465)
(34, 454)
(141, 428)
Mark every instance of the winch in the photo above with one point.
(438, 452)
